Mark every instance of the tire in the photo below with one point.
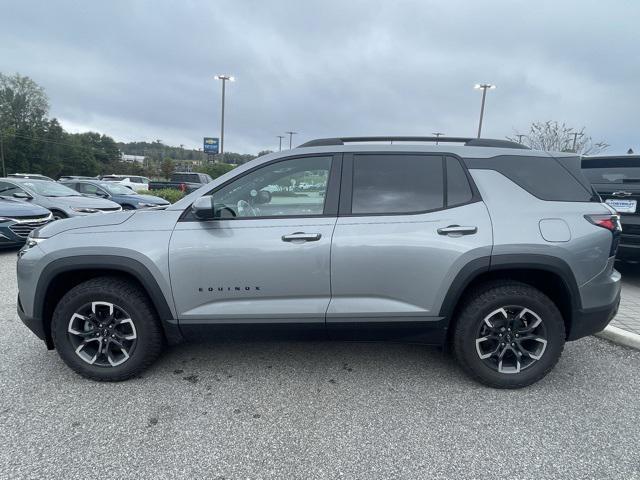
(489, 321)
(58, 215)
(130, 346)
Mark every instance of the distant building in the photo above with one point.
(132, 158)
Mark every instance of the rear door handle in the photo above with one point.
(457, 230)
(301, 237)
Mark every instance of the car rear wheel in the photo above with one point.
(508, 335)
(106, 329)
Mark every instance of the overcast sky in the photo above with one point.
(143, 70)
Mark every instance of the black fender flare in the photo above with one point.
(113, 263)
(493, 263)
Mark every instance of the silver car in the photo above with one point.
(62, 201)
(496, 251)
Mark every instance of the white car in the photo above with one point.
(134, 182)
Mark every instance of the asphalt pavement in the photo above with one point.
(312, 410)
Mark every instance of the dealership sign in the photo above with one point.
(211, 145)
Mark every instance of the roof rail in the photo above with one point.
(469, 142)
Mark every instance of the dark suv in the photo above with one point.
(617, 180)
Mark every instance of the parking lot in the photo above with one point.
(314, 410)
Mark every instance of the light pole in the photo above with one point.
(280, 137)
(575, 140)
(438, 135)
(224, 79)
(520, 135)
(484, 87)
(291, 134)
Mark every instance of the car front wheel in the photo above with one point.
(106, 329)
(508, 335)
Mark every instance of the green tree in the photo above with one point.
(166, 168)
(214, 170)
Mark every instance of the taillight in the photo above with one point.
(610, 222)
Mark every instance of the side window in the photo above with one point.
(89, 189)
(396, 184)
(294, 187)
(458, 188)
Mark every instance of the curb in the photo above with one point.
(620, 336)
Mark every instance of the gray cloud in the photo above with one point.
(141, 70)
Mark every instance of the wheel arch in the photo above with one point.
(63, 274)
(551, 275)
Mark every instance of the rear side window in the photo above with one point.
(458, 188)
(543, 177)
(397, 184)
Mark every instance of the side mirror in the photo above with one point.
(204, 208)
(23, 195)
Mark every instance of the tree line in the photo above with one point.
(31, 142)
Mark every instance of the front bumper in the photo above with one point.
(9, 238)
(35, 325)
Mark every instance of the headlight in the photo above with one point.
(85, 210)
(30, 243)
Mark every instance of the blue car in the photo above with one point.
(127, 198)
(18, 219)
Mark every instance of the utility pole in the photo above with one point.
(280, 137)
(291, 134)
(484, 87)
(575, 140)
(224, 79)
(438, 135)
(4, 170)
(520, 135)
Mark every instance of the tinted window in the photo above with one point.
(294, 187)
(386, 184)
(612, 170)
(458, 188)
(8, 189)
(543, 177)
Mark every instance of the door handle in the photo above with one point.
(457, 230)
(301, 237)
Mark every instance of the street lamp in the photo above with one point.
(280, 137)
(484, 87)
(291, 134)
(438, 135)
(224, 79)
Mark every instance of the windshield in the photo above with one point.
(49, 189)
(116, 189)
(612, 170)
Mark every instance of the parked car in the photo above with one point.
(125, 197)
(184, 181)
(18, 219)
(134, 182)
(501, 252)
(33, 176)
(75, 177)
(617, 179)
(62, 201)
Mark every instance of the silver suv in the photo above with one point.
(500, 252)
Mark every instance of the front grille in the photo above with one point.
(23, 229)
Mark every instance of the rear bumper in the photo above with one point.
(593, 320)
(629, 248)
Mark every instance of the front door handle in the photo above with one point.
(457, 230)
(301, 237)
